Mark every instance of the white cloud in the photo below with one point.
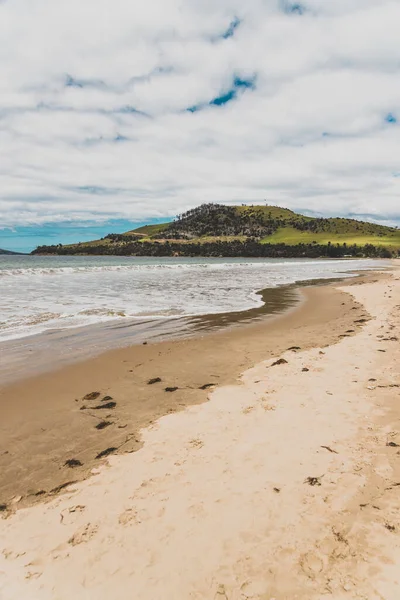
(312, 135)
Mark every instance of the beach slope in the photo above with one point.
(282, 486)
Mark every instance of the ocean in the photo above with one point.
(46, 294)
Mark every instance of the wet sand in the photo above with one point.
(46, 421)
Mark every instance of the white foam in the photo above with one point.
(42, 293)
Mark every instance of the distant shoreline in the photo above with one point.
(12, 253)
(220, 249)
(214, 229)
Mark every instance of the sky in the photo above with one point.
(114, 113)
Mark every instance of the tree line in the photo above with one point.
(249, 248)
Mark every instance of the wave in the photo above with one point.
(272, 263)
(43, 296)
(26, 327)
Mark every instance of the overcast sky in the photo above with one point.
(135, 110)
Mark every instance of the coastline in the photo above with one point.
(74, 316)
(43, 425)
(283, 485)
(49, 351)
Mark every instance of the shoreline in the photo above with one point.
(62, 340)
(54, 349)
(283, 485)
(77, 344)
(43, 425)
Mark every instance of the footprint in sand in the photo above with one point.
(197, 510)
(83, 535)
(128, 516)
(311, 564)
(33, 575)
(221, 594)
(11, 554)
(196, 443)
(256, 590)
(68, 515)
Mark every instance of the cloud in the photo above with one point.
(120, 109)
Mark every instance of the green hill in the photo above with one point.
(149, 230)
(221, 229)
(270, 225)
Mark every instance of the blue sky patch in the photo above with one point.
(224, 98)
(27, 238)
(390, 118)
(250, 83)
(239, 83)
(293, 8)
(230, 32)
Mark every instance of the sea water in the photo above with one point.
(45, 293)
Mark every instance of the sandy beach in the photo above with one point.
(48, 420)
(281, 480)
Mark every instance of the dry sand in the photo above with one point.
(285, 485)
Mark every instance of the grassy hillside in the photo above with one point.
(149, 230)
(291, 235)
(264, 225)
(270, 225)
(144, 233)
